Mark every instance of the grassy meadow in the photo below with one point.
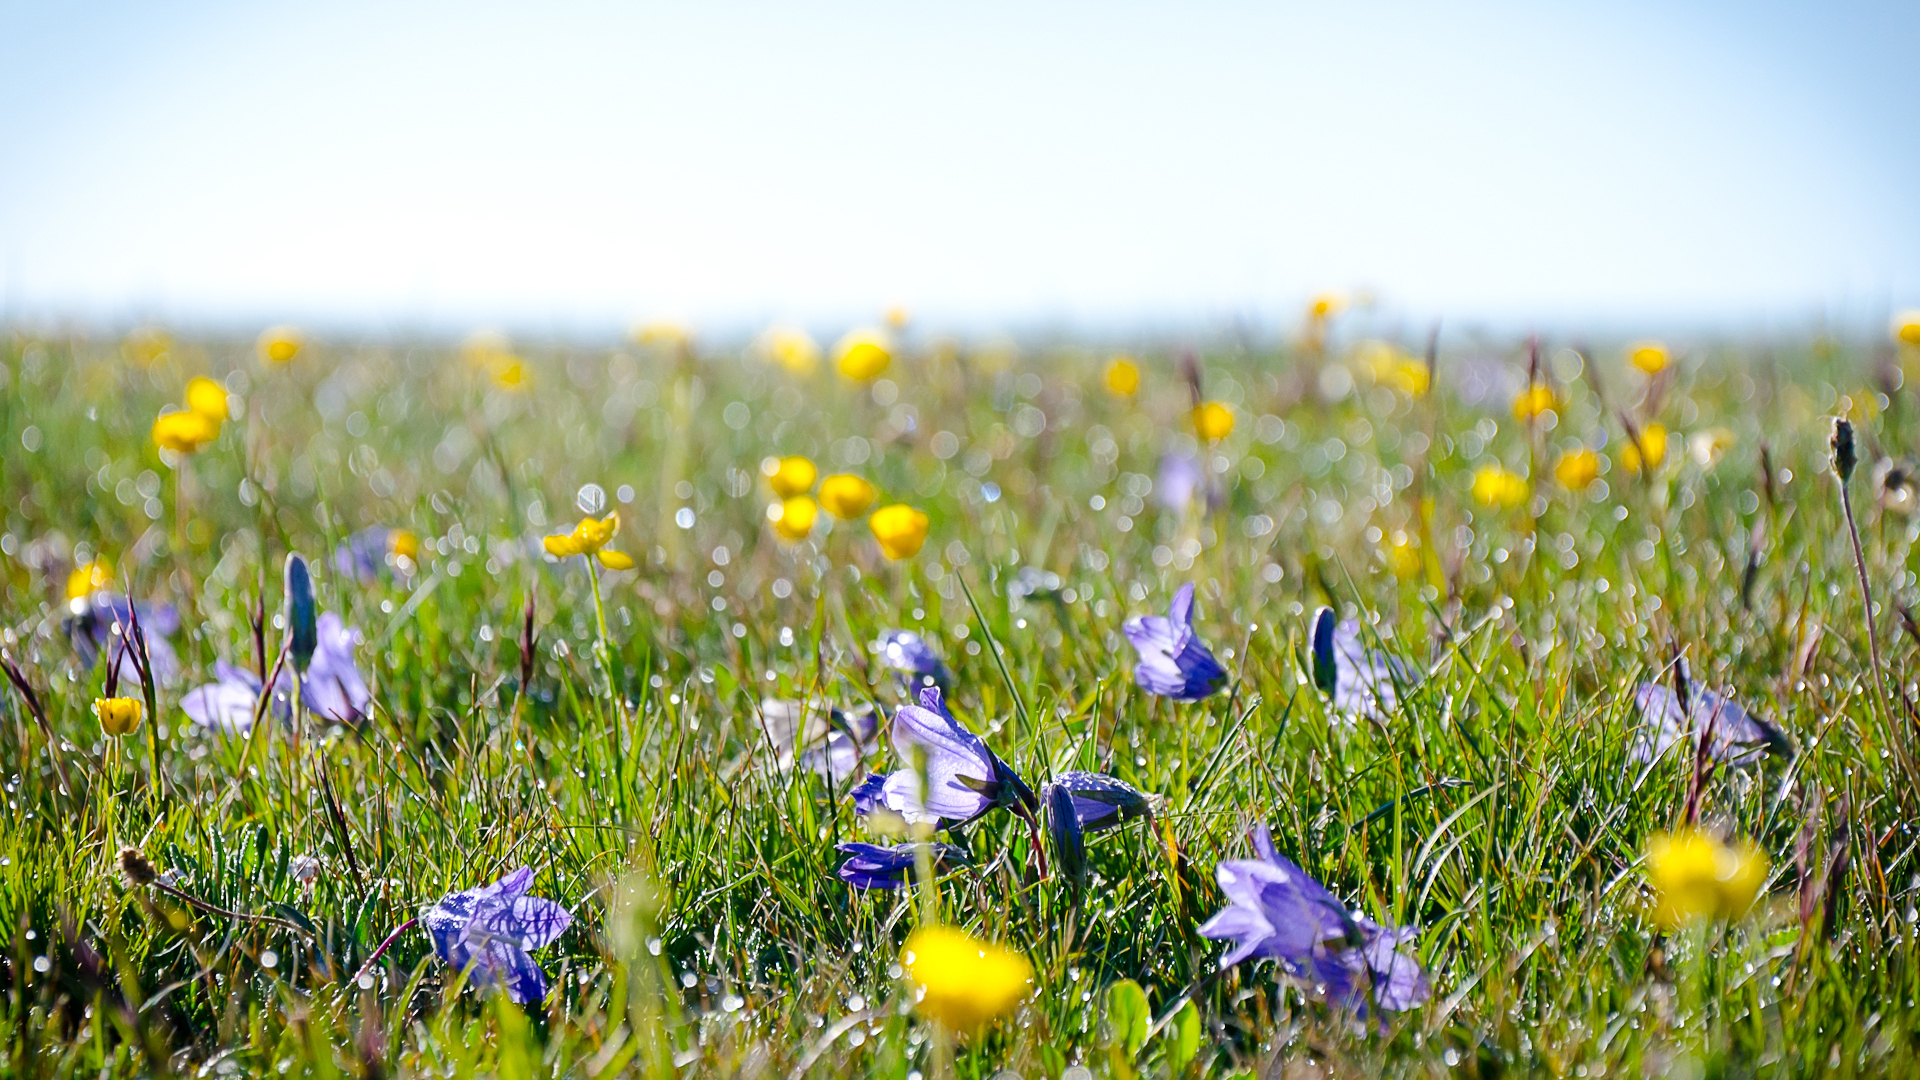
(1496, 806)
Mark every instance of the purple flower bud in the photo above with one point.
(1101, 801)
(873, 866)
(1069, 841)
(1738, 737)
(1173, 662)
(909, 653)
(1361, 681)
(488, 931)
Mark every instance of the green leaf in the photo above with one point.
(1182, 1037)
(1128, 1016)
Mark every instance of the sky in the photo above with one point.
(575, 167)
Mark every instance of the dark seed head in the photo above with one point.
(135, 866)
(1844, 456)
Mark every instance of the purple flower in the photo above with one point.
(91, 628)
(869, 794)
(227, 704)
(1739, 738)
(1180, 477)
(1361, 681)
(831, 742)
(1101, 801)
(909, 653)
(364, 554)
(1275, 910)
(964, 778)
(1069, 839)
(1173, 662)
(489, 929)
(873, 866)
(333, 687)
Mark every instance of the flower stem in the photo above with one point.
(384, 946)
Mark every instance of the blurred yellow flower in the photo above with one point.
(208, 398)
(1653, 440)
(1393, 368)
(1122, 377)
(483, 347)
(404, 543)
(898, 317)
(1495, 486)
(900, 529)
(279, 344)
(146, 346)
(1213, 421)
(510, 374)
(590, 537)
(962, 982)
(118, 715)
(789, 476)
(89, 578)
(184, 432)
(1402, 554)
(1649, 356)
(1533, 401)
(665, 333)
(792, 517)
(792, 348)
(1695, 875)
(1577, 469)
(847, 496)
(1906, 328)
(862, 355)
(1709, 446)
(1325, 305)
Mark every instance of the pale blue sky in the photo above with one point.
(1111, 164)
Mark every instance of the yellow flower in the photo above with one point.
(789, 476)
(146, 346)
(1906, 328)
(862, 355)
(1695, 875)
(791, 348)
(1495, 486)
(793, 517)
(1533, 401)
(184, 432)
(279, 344)
(847, 496)
(89, 578)
(118, 715)
(1708, 447)
(1653, 440)
(1409, 376)
(1649, 356)
(663, 332)
(1402, 554)
(589, 538)
(404, 543)
(510, 373)
(1122, 377)
(1325, 305)
(208, 398)
(898, 316)
(962, 982)
(900, 529)
(483, 348)
(1576, 469)
(1213, 420)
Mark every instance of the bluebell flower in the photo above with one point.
(875, 866)
(227, 704)
(302, 634)
(1101, 801)
(364, 554)
(869, 795)
(964, 778)
(90, 627)
(1180, 477)
(909, 654)
(1173, 662)
(1274, 910)
(488, 930)
(333, 687)
(1738, 737)
(1362, 682)
(1069, 839)
(832, 742)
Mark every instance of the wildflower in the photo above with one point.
(1069, 838)
(1360, 681)
(1402, 554)
(1103, 802)
(488, 931)
(227, 704)
(184, 432)
(792, 348)
(846, 496)
(964, 779)
(1906, 328)
(333, 686)
(666, 333)
(829, 741)
(1325, 305)
(1652, 443)
(897, 316)
(590, 537)
(146, 345)
(1577, 469)
(793, 517)
(1696, 875)
(1173, 662)
(1495, 486)
(1122, 377)
(1649, 356)
(1708, 447)
(89, 578)
(278, 345)
(1179, 478)
(118, 716)
(365, 552)
(862, 355)
(98, 617)
(510, 374)
(869, 795)
(874, 866)
(209, 399)
(962, 982)
(1533, 401)
(1274, 910)
(1391, 367)
(1738, 737)
(900, 529)
(1213, 421)
(302, 634)
(789, 476)
(908, 652)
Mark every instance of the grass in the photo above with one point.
(1497, 807)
